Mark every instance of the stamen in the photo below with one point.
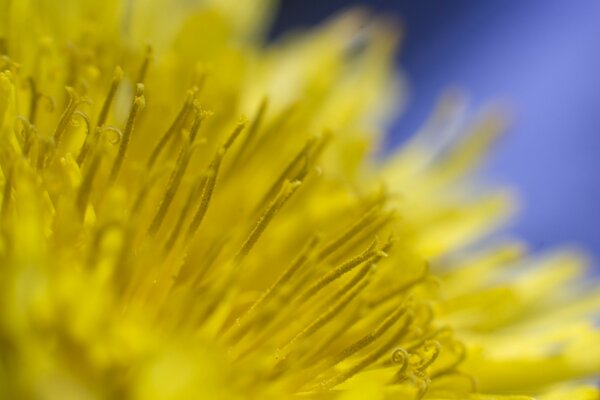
(88, 178)
(86, 185)
(86, 120)
(118, 75)
(176, 177)
(399, 289)
(362, 364)
(138, 104)
(350, 294)
(85, 148)
(322, 143)
(88, 131)
(197, 189)
(365, 341)
(430, 346)
(373, 228)
(7, 193)
(234, 135)
(274, 128)
(403, 332)
(319, 350)
(65, 118)
(461, 354)
(459, 374)
(352, 230)
(400, 356)
(175, 126)
(287, 190)
(211, 180)
(302, 156)
(354, 281)
(288, 273)
(367, 255)
(251, 133)
(46, 146)
(422, 382)
(240, 329)
(35, 97)
(142, 194)
(145, 64)
(111, 129)
(25, 135)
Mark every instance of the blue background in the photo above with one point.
(542, 57)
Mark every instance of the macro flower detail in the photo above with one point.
(190, 211)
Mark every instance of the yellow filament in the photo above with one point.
(357, 278)
(145, 64)
(428, 359)
(322, 320)
(86, 184)
(176, 177)
(65, 118)
(234, 135)
(138, 104)
(365, 341)
(27, 135)
(288, 273)
(302, 155)
(45, 146)
(35, 97)
(240, 329)
(198, 188)
(142, 194)
(251, 132)
(400, 356)
(287, 190)
(369, 359)
(85, 148)
(399, 289)
(461, 351)
(175, 126)
(110, 96)
(367, 255)
(352, 230)
(211, 179)
(7, 192)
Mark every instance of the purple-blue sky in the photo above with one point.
(542, 57)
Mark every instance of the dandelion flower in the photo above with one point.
(189, 212)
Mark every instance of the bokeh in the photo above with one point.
(540, 57)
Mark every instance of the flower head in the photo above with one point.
(188, 212)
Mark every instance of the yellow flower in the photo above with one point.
(157, 244)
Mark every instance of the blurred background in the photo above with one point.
(542, 57)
